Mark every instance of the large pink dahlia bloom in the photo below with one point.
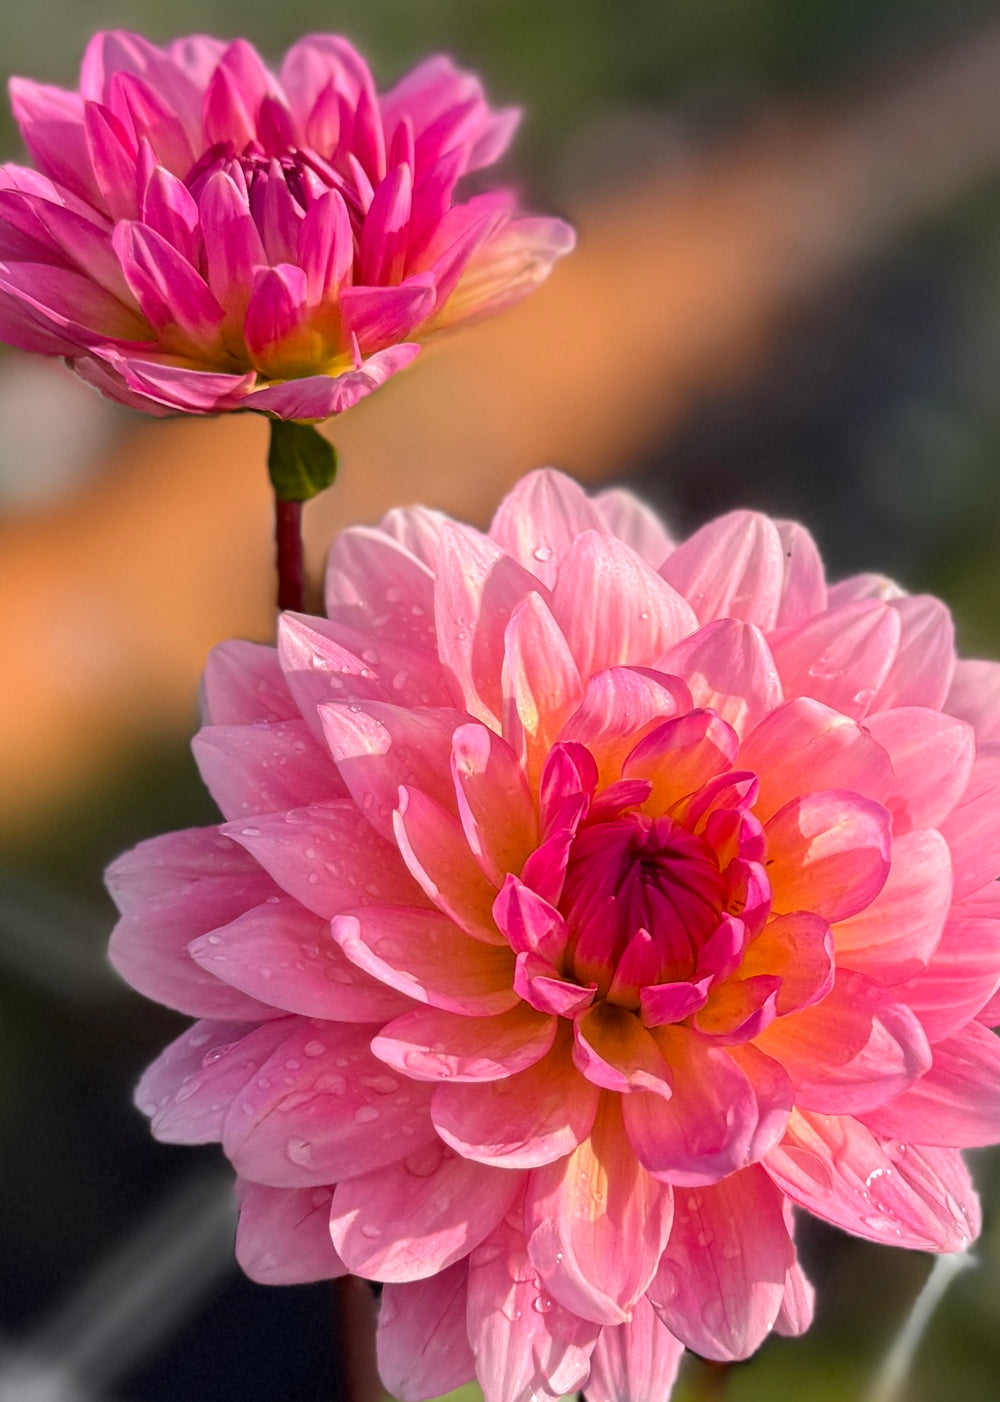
(202, 234)
(585, 904)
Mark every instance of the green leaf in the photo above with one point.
(300, 461)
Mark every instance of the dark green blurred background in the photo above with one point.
(874, 417)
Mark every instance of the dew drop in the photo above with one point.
(372, 1233)
(314, 1048)
(541, 1304)
(299, 1151)
(365, 1115)
(543, 553)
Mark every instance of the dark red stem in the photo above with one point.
(288, 538)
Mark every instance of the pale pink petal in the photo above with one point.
(422, 1344)
(542, 684)
(264, 767)
(956, 1104)
(803, 591)
(188, 1089)
(321, 1108)
(798, 1304)
(170, 890)
(893, 1193)
(729, 668)
(596, 1223)
(507, 268)
(243, 684)
(932, 757)
(799, 949)
(416, 1217)
(864, 586)
(972, 830)
(283, 1236)
(614, 1050)
(841, 657)
(432, 844)
(539, 520)
(618, 706)
(525, 1343)
(895, 936)
(613, 608)
(635, 1362)
(51, 123)
(426, 956)
(283, 955)
(923, 667)
(682, 755)
(632, 521)
(734, 567)
(378, 748)
(829, 853)
(962, 974)
(176, 387)
(374, 583)
(432, 1044)
(804, 746)
(722, 1277)
(532, 1118)
(327, 856)
(974, 696)
(170, 292)
(851, 1052)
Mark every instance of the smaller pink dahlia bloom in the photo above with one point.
(202, 234)
(586, 906)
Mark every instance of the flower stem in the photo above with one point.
(288, 539)
(300, 463)
(354, 1319)
(711, 1382)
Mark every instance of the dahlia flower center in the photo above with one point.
(635, 874)
(304, 174)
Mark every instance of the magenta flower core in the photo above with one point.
(203, 234)
(585, 905)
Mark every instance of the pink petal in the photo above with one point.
(507, 268)
(728, 667)
(188, 1089)
(66, 304)
(539, 984)
(166, 286)
(618, 706)
(285, 956)
(378, 316)
(848, 1053)
(494, 803)
(51, 123)
(426, 956)
(383, 245)
(233, 247)
(922, 669)
(896, 1194)
(264, 767)
(417, 1217)
(169, 209)
(375, 584)
(540, 519)
(956, 1103)
(804, 746)
(319, 60)
(803, 592)
(632, 521)
(152, 118)
(704, 1131)
(431, 1044)
(328, 857)
(974, 696)
(325, 246)
(321, 1108)
(972, 830)
(636, 1362)
(113, 153)
(895, 936)
(274, 329)
(169, 890)
(841, 657)
(733, 567)
(234, 95)
(799, 949)
(283, 1237)
(525, 1343)
(541, 682)
(531, 924)
(798, 1305)
(243, 684)
(613, 608)
(529, 1119)
(596, 1223)
(829, 853)
(422, 1345)
(613, 1050)
(932, 757)
(722, 1277)
(682, 755)
(432, 844)
(378, 748)
(962, 974)
(318, 396)
(175, 386)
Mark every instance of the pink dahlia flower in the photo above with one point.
(202, 234)
(585, 905)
